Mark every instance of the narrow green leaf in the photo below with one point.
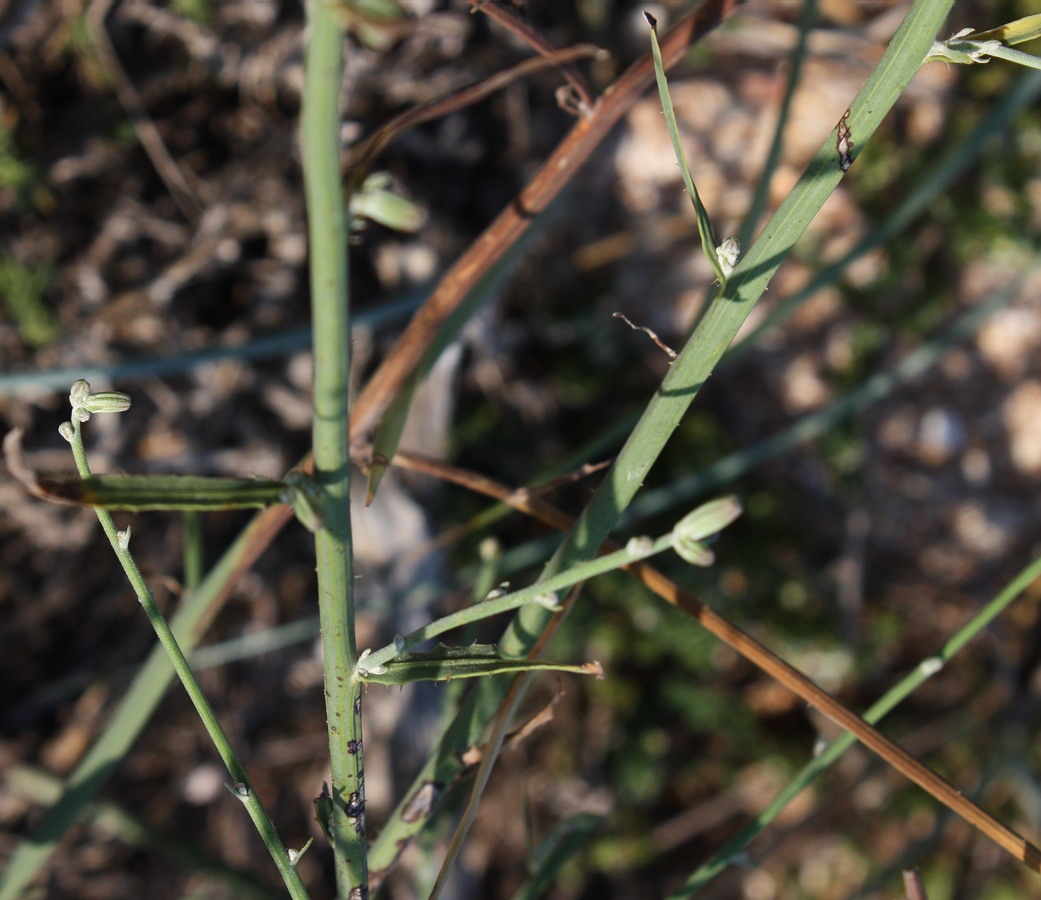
(1018, 32)
(1018, 57)
(446, 663)
(708, 236)
(138, 493)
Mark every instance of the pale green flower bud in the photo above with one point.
(728, 254)
(705, 521)
(694, 552)
(708, 518)
(107, 402)
(80, 391)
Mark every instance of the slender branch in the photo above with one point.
(508, 18)
(242, 789)
(363, 155)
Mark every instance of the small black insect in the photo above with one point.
(844, 143)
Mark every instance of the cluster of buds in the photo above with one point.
(85, 404)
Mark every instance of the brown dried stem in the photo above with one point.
(507, 16)
(363, 155)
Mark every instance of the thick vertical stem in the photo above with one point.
(327, 236)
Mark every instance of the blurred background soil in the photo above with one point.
(153, 241)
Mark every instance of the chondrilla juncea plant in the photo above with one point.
(364, 430)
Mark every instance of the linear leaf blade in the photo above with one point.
(139, 493)
(447, 663)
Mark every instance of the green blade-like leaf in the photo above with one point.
(446, 663)
(1016, 56)
(705, 230)
(138, 493)
(1018, 32)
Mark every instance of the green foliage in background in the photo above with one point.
(23, 291)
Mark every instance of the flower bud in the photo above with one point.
(80, 391)
(107, 402)
(708, 518)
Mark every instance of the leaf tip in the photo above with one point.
(653, 22)
(594, 668)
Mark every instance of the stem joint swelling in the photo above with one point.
(305, 495)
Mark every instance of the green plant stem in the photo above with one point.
(830, 754)
(242, 788)
(194, 540)
(705, 230)
(327, 239)
(491, 751)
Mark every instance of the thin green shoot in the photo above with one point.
(327, 232)
(773, 157)
(120, 540)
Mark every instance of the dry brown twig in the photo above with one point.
(364, 154)
(507, 16)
